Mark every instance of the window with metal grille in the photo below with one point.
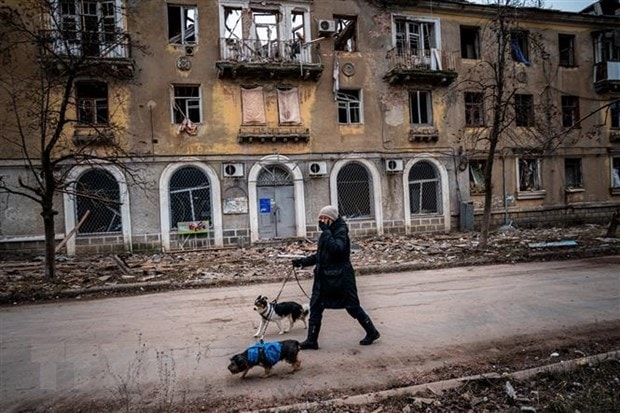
(349, 106)
(182, 24)
(186, 103)
(273, 175)
(570, 111)
(476, 176)
(92, 102)
(354, 189)
(566, 44)
(190, 196)
(572, 173)
(424, 189)
(614, 110)
(470, 42)
(524, 110)
(420, 107)
(98, 192)
(474, 109)
(529, 174)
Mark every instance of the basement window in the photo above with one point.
(182, 24)
(92, 103)
(345, 38)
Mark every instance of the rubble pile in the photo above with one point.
(271, 261)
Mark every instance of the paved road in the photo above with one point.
(181, 341)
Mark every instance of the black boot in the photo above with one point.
(371, 332)
(311, 342)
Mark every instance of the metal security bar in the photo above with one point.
(424, 189)
(190, 196)
(272, 175)
(354, 191)
(98, 192)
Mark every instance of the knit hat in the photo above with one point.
(329, 211)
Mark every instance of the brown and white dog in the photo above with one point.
(270, 311)
(266, 355)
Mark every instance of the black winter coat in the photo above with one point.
(334, 277)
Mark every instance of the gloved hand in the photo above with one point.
(297, 263)
(323, 226)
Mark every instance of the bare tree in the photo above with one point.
(61, 69)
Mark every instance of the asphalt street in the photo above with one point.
(180, 342)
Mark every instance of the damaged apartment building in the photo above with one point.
(241, 119)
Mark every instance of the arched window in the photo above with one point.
(98, 192)
(190, 196)
(424, 189)
(354, 191)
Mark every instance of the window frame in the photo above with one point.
(99, 105)
(570, 111)
(520, 38)
(349, 107)
(421, 186)
(537, 191)
(573, 172)
(614, 113)
(360, 188)
(183, 9)
(415, 98)
(470, 44)
(473, 107)
(566, 52)
(615, 174)
(99, 208)
(524, 118)
(175, 108)
(352, 40)
(476, 179)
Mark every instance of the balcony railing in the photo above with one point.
(101, 49)
(607, 76)
(434, 65)
(278, 58)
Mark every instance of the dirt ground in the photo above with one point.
(589, 387)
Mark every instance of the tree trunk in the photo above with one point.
(50, 242)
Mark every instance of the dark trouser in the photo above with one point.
(316, 313)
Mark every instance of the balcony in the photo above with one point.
(277, 59)
(607, 77)
(265, 134)
(434, 67)
(94, 53)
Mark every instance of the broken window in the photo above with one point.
(345, 38)
(424, 189)
(476, 176)
(349, 106)
(190, 196)
(566, 44)
(524, 110)
(288, 106)
(614, 110)
(470, 42)
(253, 106)
(474, 109)
(92, 103)
(89, 28)
(354, 189)
(519, 45)
(266, 34)
(182, 24)
(186, 104)
(420, 107)
(615, 172)
(98, 193)
(570, 111)
(572, 173)
(529, 174)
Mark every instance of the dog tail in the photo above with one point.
(306, 309)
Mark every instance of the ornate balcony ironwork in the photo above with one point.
(431, 66)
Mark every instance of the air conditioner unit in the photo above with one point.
(327, 26)
(232, 170)
(317, 168)
(393, 165)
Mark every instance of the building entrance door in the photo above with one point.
(276, 203)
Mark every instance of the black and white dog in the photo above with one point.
(276, 312)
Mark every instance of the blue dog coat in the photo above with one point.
(269, 353)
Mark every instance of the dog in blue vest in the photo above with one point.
(266, 355)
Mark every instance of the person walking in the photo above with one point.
(334, 278)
